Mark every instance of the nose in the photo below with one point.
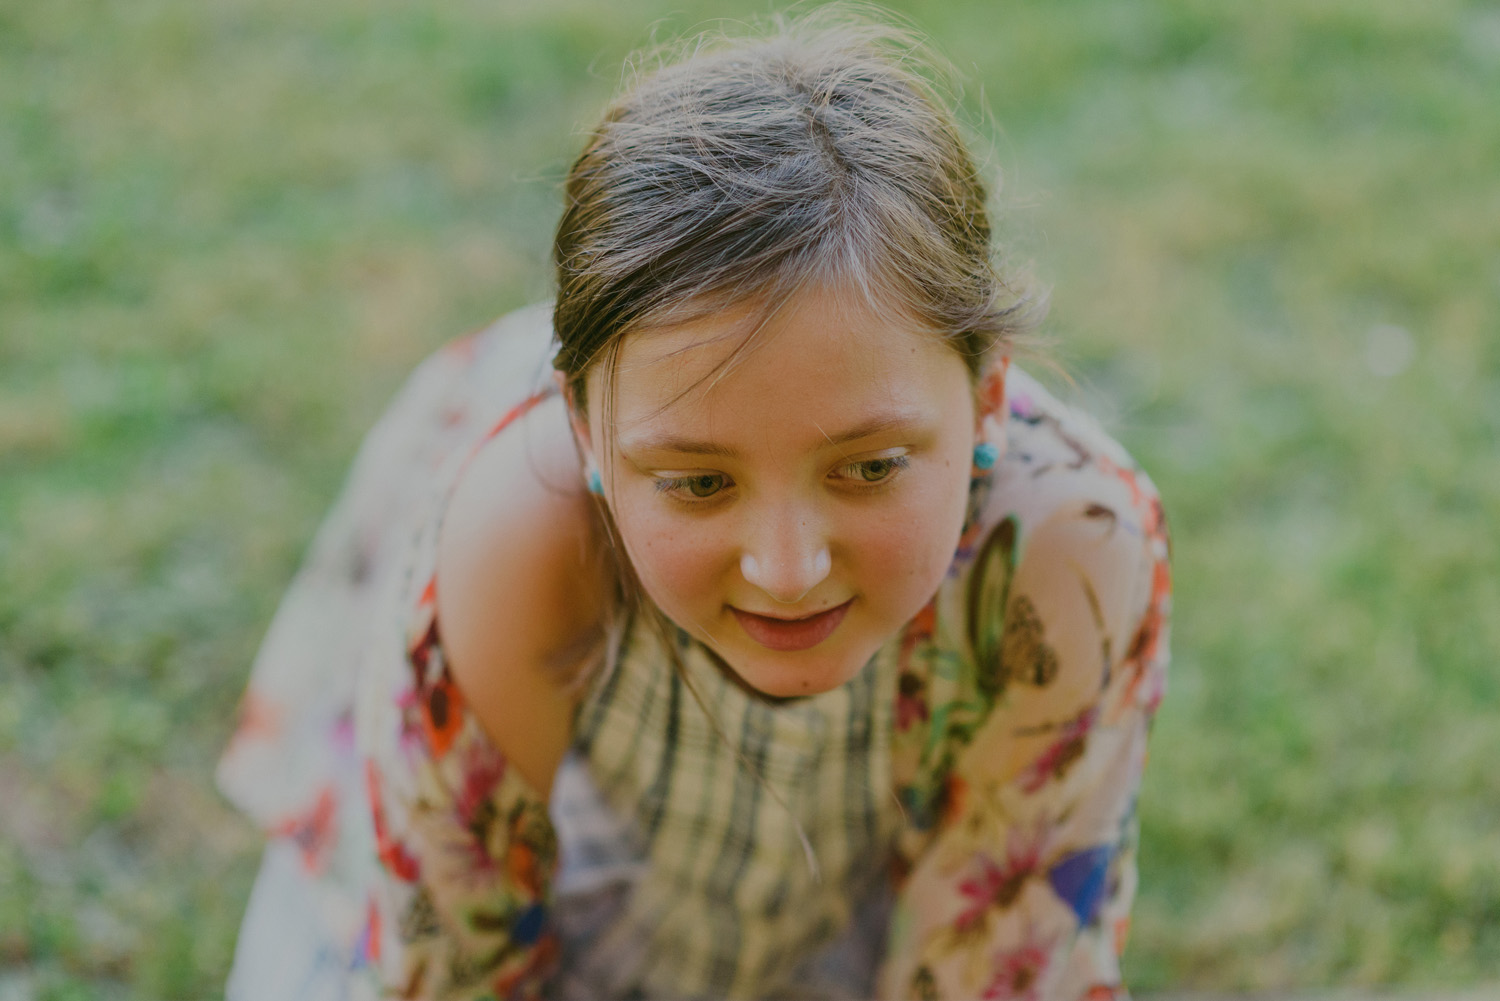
(786, 558)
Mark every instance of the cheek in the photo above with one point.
(904, 555)
(678, 566)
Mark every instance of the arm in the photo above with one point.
(1024, 889)
(519, 589)
(458, 797)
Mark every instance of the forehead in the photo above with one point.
(820, 358)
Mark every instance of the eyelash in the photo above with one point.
(680, 487)
(897, 464)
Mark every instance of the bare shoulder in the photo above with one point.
(1069, 587)
(519, 588)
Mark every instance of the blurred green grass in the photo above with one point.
(1273, 237)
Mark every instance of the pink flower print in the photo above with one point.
(483, 768)
(413, 735)
(911, 702)
(1017, 974)
(474, 805)
(998, 886)
(980, 892)
(1061, 754)
(1022, 406)
(342, 733)
(313, 830)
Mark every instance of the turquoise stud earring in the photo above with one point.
(596, 482)
(985, 455)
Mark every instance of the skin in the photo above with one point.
(827, 468)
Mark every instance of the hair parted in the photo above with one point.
(818, 153)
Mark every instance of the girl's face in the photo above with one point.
(795, 509)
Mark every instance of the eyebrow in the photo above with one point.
(903, 421)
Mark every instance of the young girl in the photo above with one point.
(784, 642)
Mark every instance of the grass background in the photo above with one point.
(228, 229)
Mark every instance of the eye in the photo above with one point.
(698, 485)
(876, 470)
(706, 485)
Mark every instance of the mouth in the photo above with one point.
(791, 634)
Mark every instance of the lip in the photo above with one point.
(791, 634)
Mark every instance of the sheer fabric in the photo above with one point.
(957, 821)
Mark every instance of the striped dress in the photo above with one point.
(956, 821)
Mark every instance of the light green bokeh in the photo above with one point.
(1272, 234)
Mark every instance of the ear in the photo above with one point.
(989, 395)
(578, 422)
(990, 410)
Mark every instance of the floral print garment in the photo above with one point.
(1019, 704)
(1023, 709)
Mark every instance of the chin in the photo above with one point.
(794, 675)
